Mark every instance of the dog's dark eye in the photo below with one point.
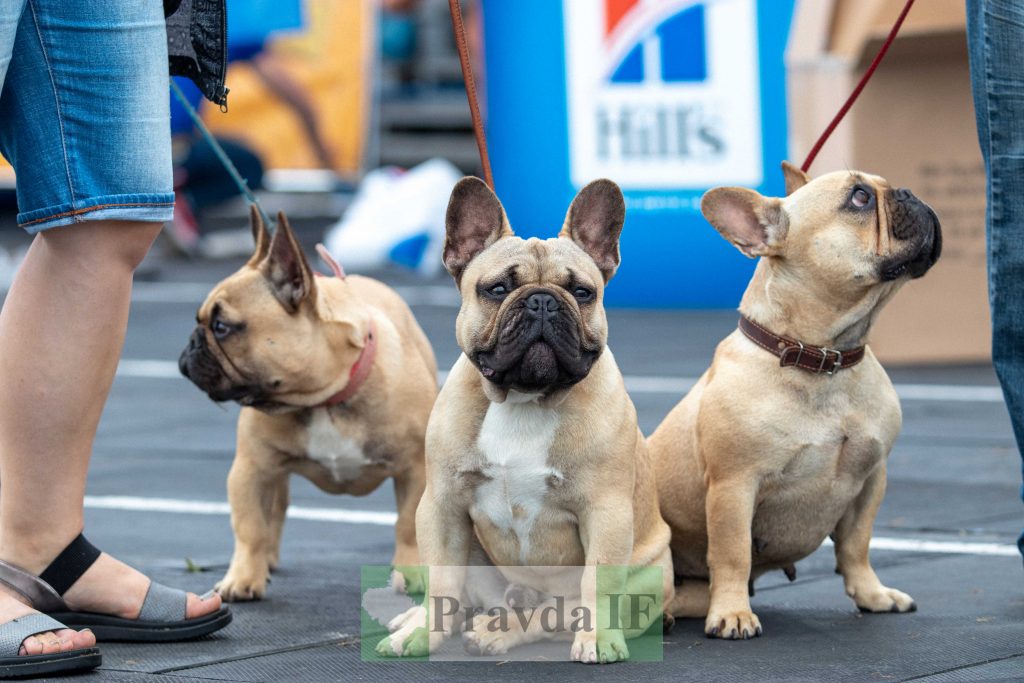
(860, 197)
(583, 294)
(498, 291)
(220, 329)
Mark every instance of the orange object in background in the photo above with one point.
(332, 59)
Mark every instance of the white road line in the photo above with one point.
(637, 384)
(148, 369)
(200, 507)
(918, 545)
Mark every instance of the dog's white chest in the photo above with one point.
(515, 440)
(342, 456)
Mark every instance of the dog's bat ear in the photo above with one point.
(756, 225)
(260, 236)
(475, 220)
(286, 268)
(795, 177)
(594, 222)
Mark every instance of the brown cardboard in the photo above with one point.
(914, 124)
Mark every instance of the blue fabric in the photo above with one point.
(995, 32)
(251, 21)
(84, 117)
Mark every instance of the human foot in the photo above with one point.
(83, 587)
(111, 587)
(48, 642)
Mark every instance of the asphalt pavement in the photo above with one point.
(945, 534)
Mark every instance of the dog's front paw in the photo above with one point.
(237, 586)
(409, 580)
(732, 625)
(882, 599)
(603, 647)
(480, 641)
(400, 621)
(410, 638)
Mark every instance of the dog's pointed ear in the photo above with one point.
(594, 222)
(286, 268)
(475, 220)
(756, 225)
(795, 177)
(260, 236)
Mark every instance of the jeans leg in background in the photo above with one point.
(995, 33)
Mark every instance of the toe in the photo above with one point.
(81, 639)
(32, 645)
(51, 642)
(201, 605)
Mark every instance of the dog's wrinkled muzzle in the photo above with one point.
(199, 365)
(539, 346)
(914, 223)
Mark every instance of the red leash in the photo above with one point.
(459, 29)
(856, 91)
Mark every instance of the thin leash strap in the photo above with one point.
(856, 91)
(222, 156)
(467, 76)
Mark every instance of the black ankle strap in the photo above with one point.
(69, 566)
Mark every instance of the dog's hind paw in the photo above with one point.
(484, 642)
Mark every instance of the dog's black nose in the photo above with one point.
(902, 194)
(540, 303)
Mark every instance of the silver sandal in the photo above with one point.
(161, 619)
(13, 665)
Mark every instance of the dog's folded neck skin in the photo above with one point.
(776, 301)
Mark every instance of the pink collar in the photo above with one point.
(360, 369)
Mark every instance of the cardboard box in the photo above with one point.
(913, 124)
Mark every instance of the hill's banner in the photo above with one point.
(666, 97)
(658, 97)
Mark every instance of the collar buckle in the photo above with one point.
(837, 365)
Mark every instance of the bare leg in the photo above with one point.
(61, 331)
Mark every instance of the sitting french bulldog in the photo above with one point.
(336, 380)
(534, 456)
(783, 441)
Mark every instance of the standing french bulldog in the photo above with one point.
(784, 440)
(534, 456)
(336, 380)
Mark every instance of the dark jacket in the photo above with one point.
(197, 44)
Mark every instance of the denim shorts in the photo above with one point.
(84, 115)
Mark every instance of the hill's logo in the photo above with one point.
(663, 93)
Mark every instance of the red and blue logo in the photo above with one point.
(678, 54)
(663, 93)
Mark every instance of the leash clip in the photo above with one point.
(836, 366)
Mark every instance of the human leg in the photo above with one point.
(90, 147)
(995, 30)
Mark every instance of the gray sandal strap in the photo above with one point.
(163, 604)
(39, 594)
(15, 631)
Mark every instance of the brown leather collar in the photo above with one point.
(817, 359)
